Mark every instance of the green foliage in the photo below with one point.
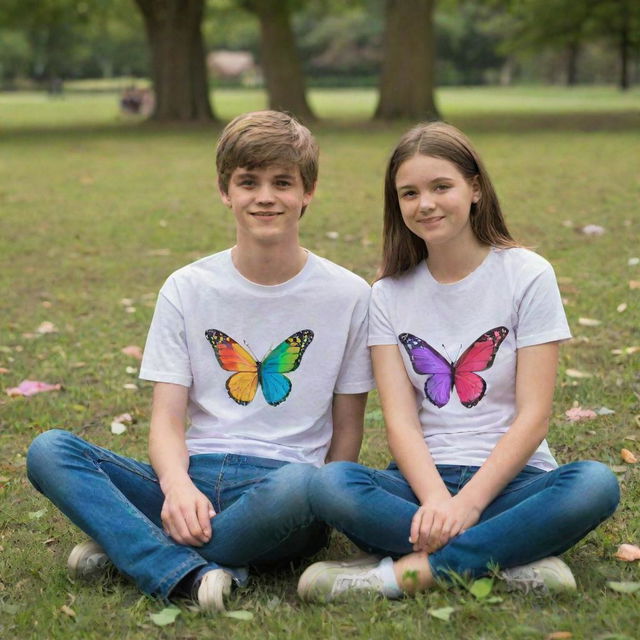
(96, 208)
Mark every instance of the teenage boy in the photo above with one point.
(263, 346)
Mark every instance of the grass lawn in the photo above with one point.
(96, 209)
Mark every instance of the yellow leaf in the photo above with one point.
(628, 457)
(68, 611)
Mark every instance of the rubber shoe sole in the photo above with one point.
(86, 560)
(549, 575)
(214, 587)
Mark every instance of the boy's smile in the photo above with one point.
(266, 202)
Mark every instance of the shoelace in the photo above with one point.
(528, 578)
(355, 581)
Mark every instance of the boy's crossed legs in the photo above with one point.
(262, 512)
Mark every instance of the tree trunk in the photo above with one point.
(280, 60)
(624, 48)
(573, 52)
(407, 77)
(178, 67)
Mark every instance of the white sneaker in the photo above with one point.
(549, 574)
(324, 581)
(214, 586)
(86, 560)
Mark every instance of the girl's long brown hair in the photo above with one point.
(402, 249)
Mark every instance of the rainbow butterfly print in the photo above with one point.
(461, 374)
(269, 373)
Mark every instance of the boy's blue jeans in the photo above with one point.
(262, 516)
(538, 514)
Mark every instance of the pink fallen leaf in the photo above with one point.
(134, 351)
(31, 387)
(578, 413)
(628, 456)
(628, 552)
(124, 418)
(634, 284)
(4, 370)
(592, 230)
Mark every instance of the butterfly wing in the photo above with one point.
(426, 360)
(478, 357)
(286, 357)
(231, 356)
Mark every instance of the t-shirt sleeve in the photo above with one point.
(166, 356)
(541, 316)
(356, 375)
(380, 328)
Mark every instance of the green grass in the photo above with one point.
(95, 208)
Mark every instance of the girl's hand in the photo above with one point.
(186, 514)
(435, 523)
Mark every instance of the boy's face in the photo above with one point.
(267, 203)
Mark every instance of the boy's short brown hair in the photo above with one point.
(260, 139)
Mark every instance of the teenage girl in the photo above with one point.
(464, 331)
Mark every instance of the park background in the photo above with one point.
(99, 205)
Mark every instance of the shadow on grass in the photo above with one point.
(524, 122)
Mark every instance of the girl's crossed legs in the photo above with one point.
(538, 514)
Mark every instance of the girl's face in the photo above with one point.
(435, 200)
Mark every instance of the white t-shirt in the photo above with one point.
(309, 333)
(459, 341)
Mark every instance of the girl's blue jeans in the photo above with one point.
(538, 514)
(263, 516)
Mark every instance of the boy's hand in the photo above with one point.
(186, 514)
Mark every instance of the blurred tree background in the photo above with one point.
(290, 45)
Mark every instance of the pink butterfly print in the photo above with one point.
(444, 375)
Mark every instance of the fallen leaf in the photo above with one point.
(126, 302)
(239, 615)
(628, 456)
(134, 351)
(125, 418)
(31, 387)
(575, 373)
(559, 635)
(589, 322)
(619, 468)
(444, 613)
(632, 262)
(631, 350)
(68, 611)
(46, 304)
(480, 589)
(605, 411)
(624, 587)
(578, 413)
(621, 307)
(631, 437)
(159, 252)
(36, 515)
(131, 370)
(130, 386)
(3, 370)
(628, 552)
(167, 616)
(117, 428)
(332, 235)
(47, 327)
(634, 284)
(592, 230)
